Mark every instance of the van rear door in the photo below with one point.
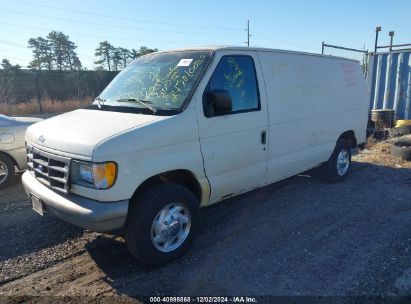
(234, 144)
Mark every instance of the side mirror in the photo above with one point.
(217, 102)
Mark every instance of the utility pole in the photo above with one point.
(248, 33)
(36, 82)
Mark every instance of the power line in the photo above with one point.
(26, 47)
(87, 35)
(126, 19)
(15, 58)
(94, 36)
(109, 25)
(79, 55)
(265, 37)
(83, 58)
(13, 44)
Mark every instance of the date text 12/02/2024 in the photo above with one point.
(203, 299)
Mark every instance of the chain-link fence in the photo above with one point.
(28, 92)
(340, 51)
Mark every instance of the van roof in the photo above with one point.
(243, 48)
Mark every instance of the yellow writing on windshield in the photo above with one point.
(165, 82)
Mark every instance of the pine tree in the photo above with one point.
(42, 53)
(105, 52)
(142, 51)
(72, 61)
(114, 59)
(5, 63)
(117, 59)
(134, 54)
(55, 51)
(63, 51)
(57, 43)
(145, 50)
(125, 56)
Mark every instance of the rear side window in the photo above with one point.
(236, 74)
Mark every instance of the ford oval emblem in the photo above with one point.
(42, 139)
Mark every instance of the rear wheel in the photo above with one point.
(338, 165)
(7, 170)
(162, 223)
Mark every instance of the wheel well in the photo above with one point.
(350, 137)
(9, 157)
(181, 177)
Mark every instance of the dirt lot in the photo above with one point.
(301, 236)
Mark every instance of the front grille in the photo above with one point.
(50, 169)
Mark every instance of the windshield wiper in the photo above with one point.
(100, 102)
(140, 101)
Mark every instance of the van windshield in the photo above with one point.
(161, 81)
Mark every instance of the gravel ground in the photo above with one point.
(300, 236)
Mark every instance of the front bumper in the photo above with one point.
(77, 210)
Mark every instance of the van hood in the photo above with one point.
(79, 131)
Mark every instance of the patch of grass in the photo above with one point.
(378, 152)
(48, 106)
(370, 143)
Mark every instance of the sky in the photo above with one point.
(289, 24)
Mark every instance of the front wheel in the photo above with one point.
(162, 223)
(339, 163)
(6, 171)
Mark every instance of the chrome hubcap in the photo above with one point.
(170, 227)
(343, 162)
(3, 172)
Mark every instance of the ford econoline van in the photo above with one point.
(179, 130)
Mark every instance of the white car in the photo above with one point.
(179, 130)
(12, 146)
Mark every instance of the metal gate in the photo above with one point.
(341, 51)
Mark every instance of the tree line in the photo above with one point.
(6, 65)
(57, 52)
(113, 58)
(54, 52)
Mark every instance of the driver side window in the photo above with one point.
(236, 75)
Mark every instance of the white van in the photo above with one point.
(183, 129)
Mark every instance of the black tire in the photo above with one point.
(402, 149)
(401, 131)
(329, 170)
(7, 164)
(143, 211)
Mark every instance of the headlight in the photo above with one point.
(85, 172)
(93, 175)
